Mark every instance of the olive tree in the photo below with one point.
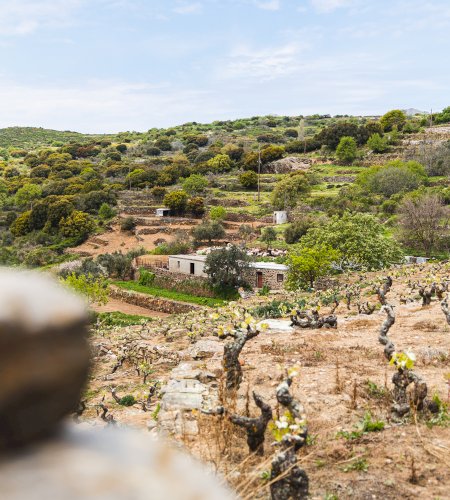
(227, 267)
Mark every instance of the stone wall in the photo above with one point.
(150, 302)
(180, 282)
(269, 278)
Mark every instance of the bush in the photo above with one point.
(217, 213)
(158, 192)
(128, 400)
(153, 151)
(393, 119)
(377, 143)
(77, 225)
(207, 232)
(128, 224)
(346, 150)
(289, 191)
(196, 206)
(21, 225)
(249, 179)
(271, 153)
(146, 278)
(296, 230)
(176, 201)
(220, 163)
(163, 144)
(106, 212)
(195, 184)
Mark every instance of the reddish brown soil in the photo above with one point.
(114, 305)
(405, 460)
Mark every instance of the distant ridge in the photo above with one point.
(30, 137)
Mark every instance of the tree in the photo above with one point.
(296, 230)
(394, 177)
(423, 222)
(377, 143)
(271, 153)
(195, 184)
(94, 289)
(77, 225)
(176, 201)
(360, 240)
(217, 213)
(289, 191)
(307, 263)
(394, 118)
(346, 150)
(245, 232)
(249, 179)
(227, 267)
(268, 235)
(207, 232)
(106, 212)
(196, 206)
(27, 194)
(220, 163)
(21, 225)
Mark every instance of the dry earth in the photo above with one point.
(405, 460)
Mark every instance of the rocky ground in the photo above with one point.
(343, 375)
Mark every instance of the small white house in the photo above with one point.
(280, 217)
(162, 212)
(261, 273)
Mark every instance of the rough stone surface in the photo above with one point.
(189, 388)
(150, 302)
(44, 356)
(111, 464)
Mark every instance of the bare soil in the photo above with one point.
(115, 305)
(407, 459)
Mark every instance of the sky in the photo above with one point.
(104, 66)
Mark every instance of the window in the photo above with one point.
(178, 264)
(192, 268)
(280, 278)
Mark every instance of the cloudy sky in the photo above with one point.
(114, 65)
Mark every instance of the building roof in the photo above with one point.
(269, 265)
(273, 266)
(198, 258)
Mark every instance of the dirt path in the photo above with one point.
(114, 305)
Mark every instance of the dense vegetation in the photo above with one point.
(58, 188)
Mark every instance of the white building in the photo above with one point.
(162, 212)
(261, 273)
(280, 217)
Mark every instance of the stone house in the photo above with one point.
(260, 274)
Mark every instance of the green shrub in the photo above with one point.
(249, 179)
(128, 400)
(128, 224)
(146, 278)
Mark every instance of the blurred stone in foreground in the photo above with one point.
(44, 355)
(112, 464)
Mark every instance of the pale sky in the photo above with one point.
(116, 65)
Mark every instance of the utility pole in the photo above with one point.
(259, 172)
(301, 133)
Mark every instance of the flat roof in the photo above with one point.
(269, 265)
(193, 256)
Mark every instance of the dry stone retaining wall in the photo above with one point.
(150, 302)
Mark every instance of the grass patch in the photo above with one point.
(169, 294)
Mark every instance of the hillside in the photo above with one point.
(33, 137)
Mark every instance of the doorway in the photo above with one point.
(259, 279)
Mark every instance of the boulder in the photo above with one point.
(44, 355)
